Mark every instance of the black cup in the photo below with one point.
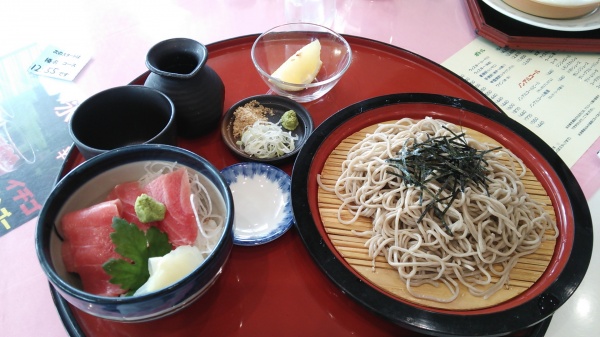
(121, 116)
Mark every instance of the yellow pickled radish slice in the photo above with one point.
(168, 269)
(300, 68)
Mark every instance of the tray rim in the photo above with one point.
(63, 308)
(502, 39)
(426, 321)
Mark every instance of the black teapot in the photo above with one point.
(178, 69)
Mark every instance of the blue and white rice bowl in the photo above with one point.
(90, 182)
(262, 200)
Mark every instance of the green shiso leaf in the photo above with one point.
(136, 247)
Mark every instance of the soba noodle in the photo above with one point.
(488, 232)
(209, 219)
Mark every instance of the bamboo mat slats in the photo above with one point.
(384, 277)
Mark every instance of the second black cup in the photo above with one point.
(121, 116)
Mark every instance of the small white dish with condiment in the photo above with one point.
(262, 202)
(278, 105)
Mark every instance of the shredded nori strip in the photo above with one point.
(449, 161)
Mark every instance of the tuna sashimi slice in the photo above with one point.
(87, 245)
(98, 281)
(100, 213)
(128, 193)
(173, 189)
(67, 256)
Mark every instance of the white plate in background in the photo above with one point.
(584, 23)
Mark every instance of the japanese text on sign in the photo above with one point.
(59, 63)
(21, 197)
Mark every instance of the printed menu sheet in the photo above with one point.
(554, 94)
(34, 137)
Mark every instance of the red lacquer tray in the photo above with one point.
(276, 289)
(508, 32)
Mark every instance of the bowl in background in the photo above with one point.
(279, 105)
(555, 9)
(89, 183)
(120, 116)
(272, 48)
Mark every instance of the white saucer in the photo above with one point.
(262, 202)
(584, 23)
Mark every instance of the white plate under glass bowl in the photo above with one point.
(262, 202)
(584, 23)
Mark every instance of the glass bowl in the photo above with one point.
(272, 48)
